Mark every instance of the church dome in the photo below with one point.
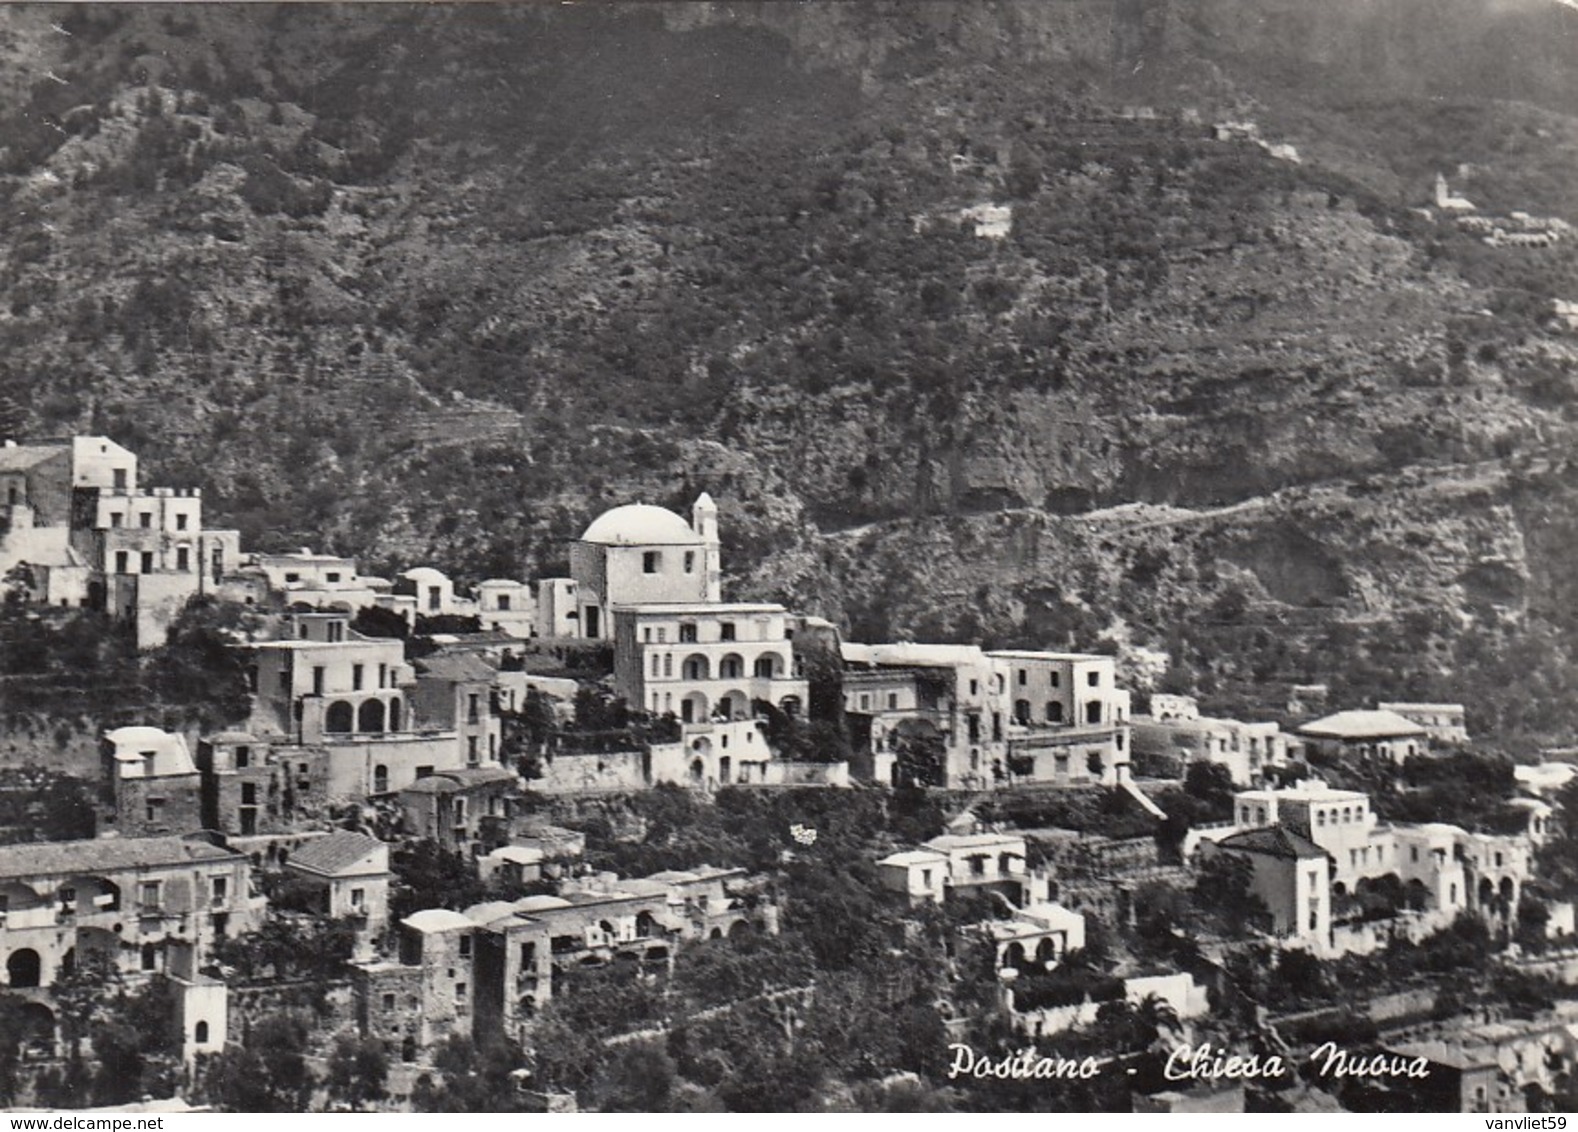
(639, 524)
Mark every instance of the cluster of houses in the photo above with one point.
(1516, 230)
(355, 743)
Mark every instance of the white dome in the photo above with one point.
(639, 524)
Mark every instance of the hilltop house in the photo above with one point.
(76, 530)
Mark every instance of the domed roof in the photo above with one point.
(639, 524)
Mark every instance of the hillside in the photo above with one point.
(438, 283)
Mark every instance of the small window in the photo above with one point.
(1052, 679)
(332, 576)
(115, 518)
(504, 603)
(147, 562)
(183, 558)
(148, 896)
(1024, 676)
(726, 631)
(1093, 679)
(389, 1002)
(893, 701)
(221, 890)
(460, 992)
(651, 560)
(292, 577)
(180, 522)
(243, 757)
(145, 519)
(465, 947)
(200, 1033)
(687, 633)
(690, 562)
(356, 677)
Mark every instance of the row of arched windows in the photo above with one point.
(730, 667)
(374, 717)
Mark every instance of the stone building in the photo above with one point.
(1444, 869)
(80, 532)
(153, 783)
(1175, 735)
(351, 870)
(455, 692)
(1003, 717)
(1444, 724)
(487, 972)
(466, 810)
(130, 899)
(639, 554)
(707, 661)
(324, 688)
(250, 788)
(1291, 876)
(1382, 737)
(1069, 720)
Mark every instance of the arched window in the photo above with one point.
(394, 714)
(200, 1033)
(371, 716)
(767, 666)
(1021, 711)
(339, 718)
(696, 668)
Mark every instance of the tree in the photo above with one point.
(269, 1072)
(920, 753)
(198, 667)
(1210, 782)
(358, 1071)
(429, 876)
(376, 621)
(1222, 896)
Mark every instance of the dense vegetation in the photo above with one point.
(412, 285)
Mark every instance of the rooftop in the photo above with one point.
(437, 920)
(640, 524)
(974, 841)
(912, 654)
(334, 854)
(1274, 841)
(1304, 790)
(1362, 725)
(459, 667)
(670, 608)
(16, 458)
(454, 781)
(111, 854)
(1034, 654)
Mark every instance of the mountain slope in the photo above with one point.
(440, 282)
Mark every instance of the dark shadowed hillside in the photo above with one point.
(440, 282)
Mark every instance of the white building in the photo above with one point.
(703, 661)
(639, 554)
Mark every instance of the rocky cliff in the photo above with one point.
(1095, 321)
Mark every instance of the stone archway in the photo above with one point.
(339, 719)
(24, 968)
(370, 718)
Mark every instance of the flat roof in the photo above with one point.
(669, 608)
